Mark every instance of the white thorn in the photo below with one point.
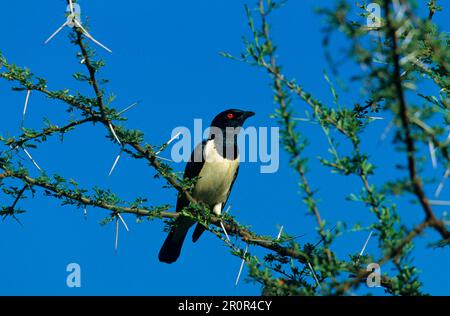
(228, 209)
(86, 33)
(241, 267)
(399, 10)
(408, 58)
(380, 59)
(386, 131)
(420, 64)
(31, 158)
(13, 148)
(314, 274)
(56, 32)
(224, 230)
(441, 184)
(25, 106)
(400, 30)
(82, 61)
(407, 39)
(439, 202)
(260, 240)
(279, 233)
(365, 244)
(128, 108)
(123, 221)
(174, 137)
(375, 117)
(114, 133)
(304, 119)
(166, 159)
(432, 154)
(116, 242)
(168, 143)
(71, 7)
(114, 164)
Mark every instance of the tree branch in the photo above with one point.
(409, 141)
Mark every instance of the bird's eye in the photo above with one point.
(230, 116)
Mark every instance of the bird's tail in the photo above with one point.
(171, 249)
(198, 231)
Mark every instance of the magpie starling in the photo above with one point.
(215, 162)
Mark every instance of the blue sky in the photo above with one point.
(166, 55)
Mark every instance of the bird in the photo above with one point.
(215, 164)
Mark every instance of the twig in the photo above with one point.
(344, 287)
(243, 233)
(409, 141)
(13, 206)
(47, 132)
(432, 9)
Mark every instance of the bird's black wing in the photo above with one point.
(170, 250)
(231, 187)
(192, 170)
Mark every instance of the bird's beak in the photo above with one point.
(247, 114)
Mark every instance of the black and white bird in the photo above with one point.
(215, 162)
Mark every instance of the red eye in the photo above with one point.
(230, 116)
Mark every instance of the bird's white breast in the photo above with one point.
(215, 178)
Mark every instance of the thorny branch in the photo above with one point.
(409, 141)
(261, 51)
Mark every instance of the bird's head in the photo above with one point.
(231, 118)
